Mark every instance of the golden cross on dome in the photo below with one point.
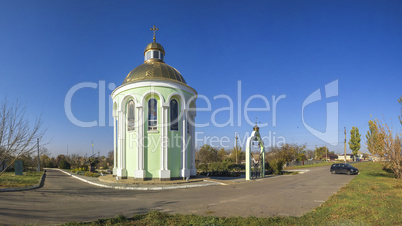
(154, 28)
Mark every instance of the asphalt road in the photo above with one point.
(65, 199)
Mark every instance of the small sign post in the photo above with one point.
(18, 168)
(38, 156)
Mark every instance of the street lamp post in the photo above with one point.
(236, 147)
(38, 155)
(345, 145)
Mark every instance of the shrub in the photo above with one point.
(202, 167)
(224, 166)
(64, 164)
(277, 165)
(90, 174)
(236, 167)
(81, 172)
(214, 166)
(268, 166)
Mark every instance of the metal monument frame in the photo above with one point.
(255, 136)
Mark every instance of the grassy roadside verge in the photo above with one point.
(372, 197)
(9, 180)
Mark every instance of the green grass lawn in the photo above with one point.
(9, 180)
(373, 197)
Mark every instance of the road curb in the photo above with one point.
(142, 188)
(38, 185)
(300, 171)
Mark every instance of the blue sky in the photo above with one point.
(273, 48)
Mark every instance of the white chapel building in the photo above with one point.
(154, 112)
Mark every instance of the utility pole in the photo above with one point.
(38, 156)
(326, 153)
(236, 147)
(67, 149)
(345, 145)
(315, 153)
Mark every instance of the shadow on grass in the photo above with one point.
(381, 174)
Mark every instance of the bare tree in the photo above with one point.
(366, 156)
(110, 158)
(208, 154)
(17, 135)
(310, 154)
(288, 152)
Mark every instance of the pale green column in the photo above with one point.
(263, 159)
(248, 157)
(185, 171)
(193, 171)
(114, 146)
(140, 172)
(164, 173)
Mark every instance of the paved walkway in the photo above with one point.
(128, 184)
(66, 199)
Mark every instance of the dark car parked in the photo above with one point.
(343, 168)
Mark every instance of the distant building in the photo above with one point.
(342, 157)
(330, 157)
(378, 159)
(359, 155)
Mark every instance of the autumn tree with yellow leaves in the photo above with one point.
(385, 144)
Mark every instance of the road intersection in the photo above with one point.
(65, 199)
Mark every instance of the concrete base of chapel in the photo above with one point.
(164, 174)
(139, 174)
(122, 173)
(185, 173)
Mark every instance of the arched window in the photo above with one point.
(130, 115)
(174, 115)
(152, 114)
